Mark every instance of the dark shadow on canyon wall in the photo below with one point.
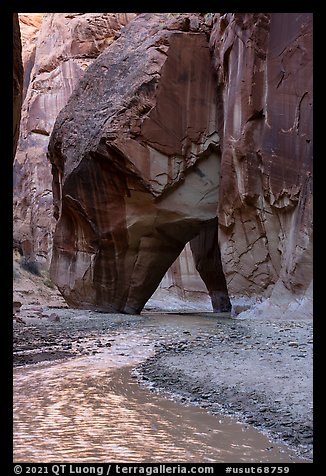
(207, 256)
(18, 78)
(135, 156)
(181, 120)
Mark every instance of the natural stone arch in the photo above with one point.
(136, 158)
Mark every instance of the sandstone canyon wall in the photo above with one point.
(53, 63)
(135, 157)
(30, 24)
(153, 147)
(181, 289)
(55, 57)
(263, 64)
(17, 80)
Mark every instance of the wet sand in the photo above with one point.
(258, 371)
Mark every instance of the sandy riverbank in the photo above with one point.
(260, 371)
(257, 370)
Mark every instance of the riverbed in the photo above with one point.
(96, 387)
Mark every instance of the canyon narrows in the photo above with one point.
(135, 157)
(163, 235)
(169, 146)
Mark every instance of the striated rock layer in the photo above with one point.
(55, 57)
(30, 24)
(135, 160)
(17, 80)
(152, 147)
(263, 64)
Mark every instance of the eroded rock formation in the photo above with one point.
(151, 142)
(17, 80)
(30, 24)
(181, 289)
(135, 157)
(264, 75)
(207, 256)
(54, 58)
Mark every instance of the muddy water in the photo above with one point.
(90, 409)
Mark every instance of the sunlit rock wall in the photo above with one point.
(55, 57)
(135, 157)
(263, 64)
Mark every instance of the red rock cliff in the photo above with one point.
(263, 64)
(54, 58)
(135, 157)
(17, 80)
(30, 24)
(149, 130)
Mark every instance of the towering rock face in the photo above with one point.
(264, 71)
(136, 160)
(30, 24)
(54, 59)
(17, 80)
(150, 143)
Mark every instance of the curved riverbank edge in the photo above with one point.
(259, 371)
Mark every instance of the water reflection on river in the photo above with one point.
(90, 410)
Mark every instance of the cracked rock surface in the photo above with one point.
(264, 67)
(151, 141)
(135, 156)
(57, 48)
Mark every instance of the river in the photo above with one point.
(92, 409)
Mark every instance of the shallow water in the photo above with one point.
(90, 409)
